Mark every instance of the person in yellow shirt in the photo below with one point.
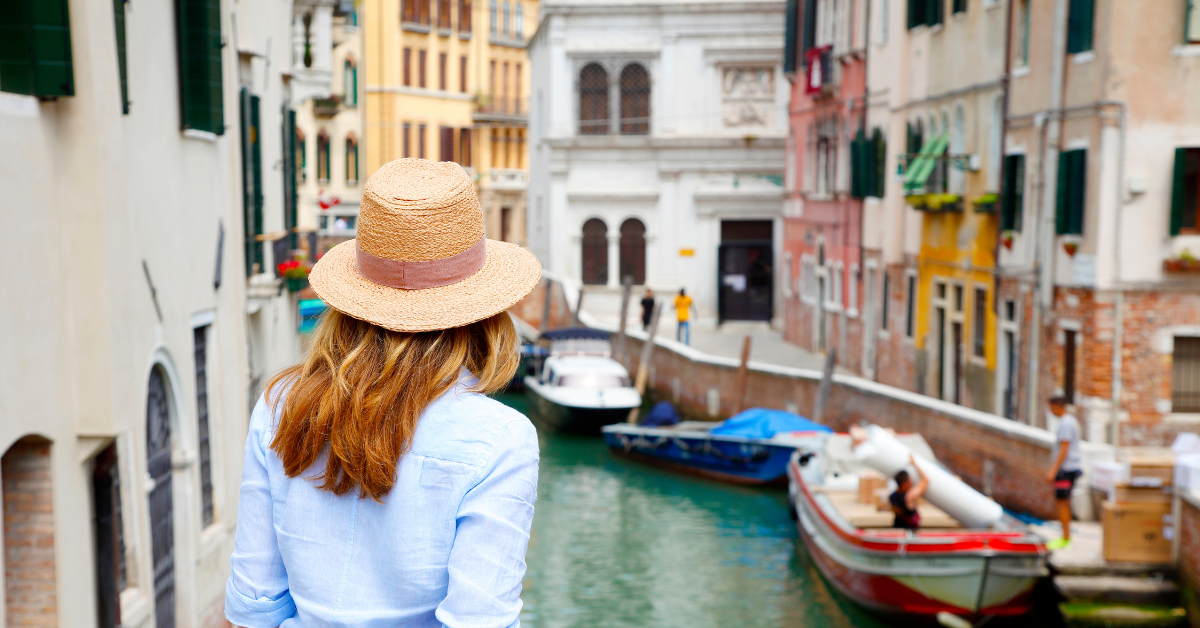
(683, 306)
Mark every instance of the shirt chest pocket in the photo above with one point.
(444, 478)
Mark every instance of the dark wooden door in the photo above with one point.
(162, 534)
(109, 544)
(746, 283)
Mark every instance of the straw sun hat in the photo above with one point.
(421, 261)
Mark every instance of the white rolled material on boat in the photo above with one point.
(885, 453)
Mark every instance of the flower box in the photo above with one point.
(1181, 265)
(296, 284)
(986, 204)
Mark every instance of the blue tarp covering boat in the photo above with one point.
(752, 447)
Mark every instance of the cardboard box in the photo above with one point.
(1151, 470)
(868, 482)
(1107, 474)
(1187, 472)
(1124, 493)
(1135, 533)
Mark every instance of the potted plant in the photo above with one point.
(1007, 237)
(986, 204)
(1070, 244)
(917, 201)
(1185, 263)
(295, 273)
(944, 202)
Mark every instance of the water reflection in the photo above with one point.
(616, 543)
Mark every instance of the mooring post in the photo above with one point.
(643, 370)
(739, 386)
(823, 389)
(626, 288)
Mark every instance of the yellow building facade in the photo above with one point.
(449, 80)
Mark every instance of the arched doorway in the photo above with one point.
(158, 464)
(595, 252)
(633, 251)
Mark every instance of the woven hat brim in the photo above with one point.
(509, 275)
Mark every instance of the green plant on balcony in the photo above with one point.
(943, 202)
(986, 204)
(295, 273)
(917, 201)
(327, 107)
(1185, 263)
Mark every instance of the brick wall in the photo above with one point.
(962, 439)
(29, 570)
(530, 308)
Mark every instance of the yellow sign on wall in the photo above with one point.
(687, 252)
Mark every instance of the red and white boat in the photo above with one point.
(942, 568)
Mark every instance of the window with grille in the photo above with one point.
(633, 251)
(200, 352)
(593, 100)
(595, 252)
(635, 100)
(1185, 375)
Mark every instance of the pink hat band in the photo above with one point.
(420, 275)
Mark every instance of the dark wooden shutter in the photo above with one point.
(252, 196)
(1062, 194)
(421, 63)
(810, 29)
(916, 13)
(119, 22)
(200, 65)
(1080, 25)
(934, 12)
(442, 71)
(960, 6)
(464, 142)
(1013, 192)
(1072, 191)
(35, 48)
(408, 66)
(790, 37)
(289, 176)
(1179, 190)
(858, 168)
(462, 74)
(446, 137)
(879, 147)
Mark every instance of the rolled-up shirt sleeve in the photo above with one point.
(487, 560)
(257, 595)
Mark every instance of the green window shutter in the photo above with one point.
(960, 6)
(1078, 191)
(35, 48)
(199, 31)
(1080, 25)
(934, 12)
(119, 22)
(252, 195)
(791, 28)
(1178, 190)
(1012, 199)
(879, 149)
(289, 176)
(1192, 30)
(809, 39)
(1061, 195)
(856, 169)
(916, 13)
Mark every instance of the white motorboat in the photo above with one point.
(580, 388)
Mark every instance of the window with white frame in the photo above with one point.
(1185, 374)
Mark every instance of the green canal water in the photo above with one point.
(619, 544)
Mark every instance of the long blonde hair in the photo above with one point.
(361, 388)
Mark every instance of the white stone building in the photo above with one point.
(141, 312)
(657, 148)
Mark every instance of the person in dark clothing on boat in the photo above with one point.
(906, 497)
(647, 308)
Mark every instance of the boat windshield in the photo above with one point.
(593, 380)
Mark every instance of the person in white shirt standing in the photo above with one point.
(1066, 468)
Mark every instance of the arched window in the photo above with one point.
(633, 251)
(494, 21)
(323, 156)
(635, 100)
(350, 82)
(351, 159)
(593, 100)
(519, 27)
(506, 28)
(595, 252)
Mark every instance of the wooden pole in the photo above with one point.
(546, 286)
(627, 288)
(578, 307)
(823, 389)
(739, 387)
(643, 371)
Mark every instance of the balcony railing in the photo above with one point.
(507, 179)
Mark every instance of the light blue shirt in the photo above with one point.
(445, 548)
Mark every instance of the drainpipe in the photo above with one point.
(1050, 150)
(1119, 305)
(1005, 83)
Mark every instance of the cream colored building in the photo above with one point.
(449, 80)
(142, 312)
(329, 141)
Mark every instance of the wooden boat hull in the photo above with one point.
(739, 461)
(967, 573)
